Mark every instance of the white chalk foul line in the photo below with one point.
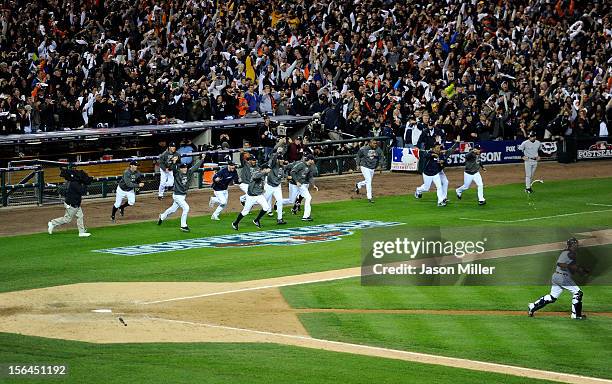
(417, 357)
(256, 288)
(535, 218)
(600, 205)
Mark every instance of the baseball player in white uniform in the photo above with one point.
(473, 165)
(126, 189)
(166, 175)
(531, 155)
(562, 279)
(369, 157)
(255, 195)
(248, 166)
(221, 181)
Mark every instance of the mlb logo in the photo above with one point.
(465, 146)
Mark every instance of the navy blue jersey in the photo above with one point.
(226, 178)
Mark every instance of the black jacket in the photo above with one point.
(74, 193)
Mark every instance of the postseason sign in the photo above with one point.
(493, 152)
(599, 150)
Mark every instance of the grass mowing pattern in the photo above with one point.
(224, 363)
(551, 343)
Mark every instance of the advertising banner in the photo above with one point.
(493, 152)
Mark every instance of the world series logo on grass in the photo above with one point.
(291, 236)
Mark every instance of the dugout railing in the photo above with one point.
(39, 182)
(341, 158)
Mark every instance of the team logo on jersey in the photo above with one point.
(289, 236)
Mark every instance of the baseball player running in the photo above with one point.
(531, 155)
(248, 166)
(126, 189)
(182, 178)
(433, 172)
(166, 175)
(272, 187)
(301, 175)
(562, 279)
(222, 180)
(473, 165)
(369, 157)
(255, 195)
(76, 187)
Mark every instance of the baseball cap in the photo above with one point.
(477, 146)
(133, 162)
(251, 158)
(172, 144)
(532, 134)
(309, 157)
(299, 138)
(183, 165)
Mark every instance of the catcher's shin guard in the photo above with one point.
(542, 302)
(577, 305)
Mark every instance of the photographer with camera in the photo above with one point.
(267, 135)
(76, 186)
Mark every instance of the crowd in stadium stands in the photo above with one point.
(411, 69)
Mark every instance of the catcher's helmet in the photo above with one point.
(571, 242)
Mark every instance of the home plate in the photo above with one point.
(102, 310)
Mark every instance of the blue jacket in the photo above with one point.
(226, 177)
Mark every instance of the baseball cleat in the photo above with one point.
(417, 195)
(210, 202)
(50, 228)
(307, 218)
(235, 226)
(270, 213)
(121, 211)
(528, 190)
(185, 229)
(215, 217)
(458, 196)
(442, 204)
(370, 201)
(84, 234)
(356, 188)
(159, 220)
(160, 197)
(530, 310)
(482, 202)
(113, 219)
(574, 317)
(445, 201)
(280, 222)
(257, 223)
(242, 202)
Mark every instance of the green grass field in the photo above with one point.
(548, 343)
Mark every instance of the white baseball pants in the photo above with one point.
(467, 181)
(220, 198)
(277, 193)
(367, 180)
(244, 187)
(178, 202)
(251, 201)
(305, 193)
(427, 180)
(166, 179)
(530, 168)
(121, 194)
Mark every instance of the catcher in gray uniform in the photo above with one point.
(562, 279)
